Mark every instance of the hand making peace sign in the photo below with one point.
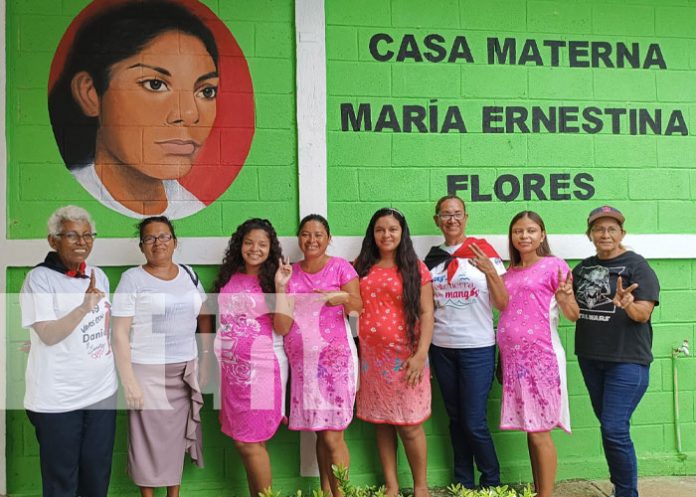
(565, 285)
(283, 273)
(624, 296)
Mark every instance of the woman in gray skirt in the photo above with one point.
(157, 307)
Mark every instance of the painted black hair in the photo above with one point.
(108, 37)
(233, 262)
(406, 262)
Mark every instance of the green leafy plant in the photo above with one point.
(268, 492)
(350, 490)
(347, 489)
(457, 490)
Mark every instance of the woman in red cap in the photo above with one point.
(617, 291)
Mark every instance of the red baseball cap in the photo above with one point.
(605, 211)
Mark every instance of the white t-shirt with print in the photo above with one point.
(79, 370)
(463, 313)
(164, 314)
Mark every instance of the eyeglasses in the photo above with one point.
(455, 215)
(73, 236)
(151, 239)
(611, 230)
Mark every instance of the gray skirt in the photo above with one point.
(168, 427)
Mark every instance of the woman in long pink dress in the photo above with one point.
(253, 366)
(395, 331)
(535, 396)
(314, 296)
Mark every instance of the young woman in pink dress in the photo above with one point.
(535, 395)
(395, 331)
(313, 298)
(253, 365)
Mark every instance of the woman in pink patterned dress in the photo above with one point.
(253, 365)
(314, 296)
(535, 396)
(395, 331)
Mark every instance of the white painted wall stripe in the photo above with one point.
(311, 105)
(310, 42)
(209, 250)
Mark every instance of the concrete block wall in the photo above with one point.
(650, 177)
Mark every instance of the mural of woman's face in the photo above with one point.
(159, 107)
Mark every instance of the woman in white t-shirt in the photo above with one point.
(466, 284)
(71, 385)
(157, 308)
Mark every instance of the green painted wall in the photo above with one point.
(651, 177)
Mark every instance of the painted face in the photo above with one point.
(255, 249)
(313, 239)
(157, 243)
(452, 219)
(73, 252)
(527, 235)
(387, 234)
(159, 107)
(607, 234)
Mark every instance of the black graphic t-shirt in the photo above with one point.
(604, 332)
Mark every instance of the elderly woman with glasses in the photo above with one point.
(71, 383)
(157, 308)
(617, 291)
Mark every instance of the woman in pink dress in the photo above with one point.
(395, 331)
(253, 366)
(314, 296)
(535, 396)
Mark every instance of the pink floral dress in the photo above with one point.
(384, 396)
(321, 351)
(253, 365)
(535, 395)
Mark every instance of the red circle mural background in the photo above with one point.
(224, 152)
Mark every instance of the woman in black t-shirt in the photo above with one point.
(617, 291)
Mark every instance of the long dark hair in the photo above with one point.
(543, 250)
(233, 262)
(110, 36)
(406, 262)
